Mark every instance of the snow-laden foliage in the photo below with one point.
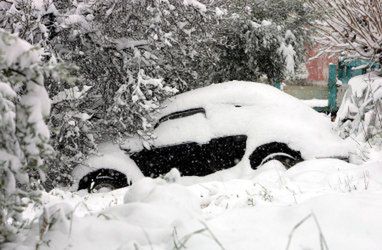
(30, 19)
(24, 104)
(262, 38)
(350, 27)
(360, 114)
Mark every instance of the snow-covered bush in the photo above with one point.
(135, 107)
(360, 114)
(30, 19)
(24, 106)
(262, 38)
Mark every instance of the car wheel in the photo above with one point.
(102, 186)
(275, 151)
(103, 180)
(287, 160)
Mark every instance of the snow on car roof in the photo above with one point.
(233, 92)
(262, 112)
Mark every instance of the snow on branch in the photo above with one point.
(350, 26)
(24, 135)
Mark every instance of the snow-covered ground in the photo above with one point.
(316, 103)
(318, 204)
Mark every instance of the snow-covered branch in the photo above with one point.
(351, 26)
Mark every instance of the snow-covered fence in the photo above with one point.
(337, 82)
(332, 87)
(339, 76)
(350, 68)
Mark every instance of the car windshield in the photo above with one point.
(180, 114)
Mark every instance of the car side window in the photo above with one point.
(181, 114)
(192, 158)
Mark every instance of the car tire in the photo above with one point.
(102, 186)
(287, 160)
(275, 151)
(106, 179)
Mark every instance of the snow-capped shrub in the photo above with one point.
(24, 106)
(360, 114)
(262, 38)
(135, 103)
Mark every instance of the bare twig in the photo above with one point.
(323, 244)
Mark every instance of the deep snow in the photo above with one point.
(340, 201)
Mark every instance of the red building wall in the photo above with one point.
(318, 67)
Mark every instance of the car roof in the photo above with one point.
(237, 93)
(265, 115)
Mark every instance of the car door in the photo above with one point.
(184, 141)
(224, 152)
(178, 143)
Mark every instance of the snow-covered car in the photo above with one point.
(217, 127)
